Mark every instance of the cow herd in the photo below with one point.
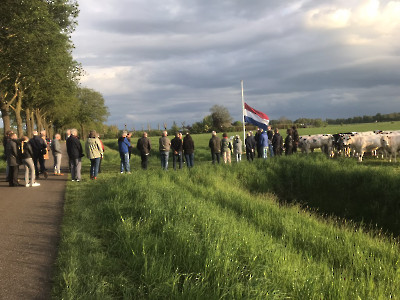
(354, 144)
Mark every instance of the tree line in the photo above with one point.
(39, 79)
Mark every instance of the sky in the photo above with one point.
(159, 61)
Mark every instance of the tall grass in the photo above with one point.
(218, 232)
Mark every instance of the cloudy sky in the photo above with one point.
(171, 60)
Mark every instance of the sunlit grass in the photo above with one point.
(220, 232)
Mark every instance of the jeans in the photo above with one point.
(271, 150)
(125, 162)
(176, 157)
(28, 163)
(264, 152)
(164, 155)
(189, 160)
(214, 156)
(94, 167)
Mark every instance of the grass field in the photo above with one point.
(227, 232)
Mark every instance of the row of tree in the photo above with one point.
(39, 79)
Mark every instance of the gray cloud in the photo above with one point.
(160, 61)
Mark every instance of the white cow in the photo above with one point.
(391, 144)
(311, 142)
(364, 143)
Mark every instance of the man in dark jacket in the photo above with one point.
(177, 148)
(13, 160)
(188, 150)
(270, 134)
(215, 146)
(75, 154)
(277, 142)
(144, 147)
(250, 146)
(39, 147)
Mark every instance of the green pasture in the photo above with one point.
(300, 227)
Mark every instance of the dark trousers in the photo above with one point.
(39, 159)
(250, 155)
(13, 175)
(215, 156)
(177, 157)
(260, 152)
(145, 159)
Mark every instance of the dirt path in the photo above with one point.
(30, 220)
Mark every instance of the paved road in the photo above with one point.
(30, 220)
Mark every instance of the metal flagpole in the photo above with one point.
(244, 129)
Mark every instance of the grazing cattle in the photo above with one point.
(311, 142)
(391, 144)
(361, 143)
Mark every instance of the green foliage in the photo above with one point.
(221, 117)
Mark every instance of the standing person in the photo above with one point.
(237, 148)
(289, 142)
(39, 148)
(277, 142)
(57, 154)
(27, 160)
(123, 148)
(296, 138)
(270, 134)
(75, 154)
(164, 147)
(263, 143)
(251, 145)
(215, 146)
(188, 149)
(226, 148)
(13, 160)
(177, 148)
(257, 139)
(102, 154)
(144, 147)
(94, 153)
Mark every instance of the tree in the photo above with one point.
(91, 108)
(220, 117)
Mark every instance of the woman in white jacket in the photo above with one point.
(94, 152)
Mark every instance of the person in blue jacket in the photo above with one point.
(123, 147)
(263, 143)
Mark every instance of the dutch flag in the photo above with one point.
(255, 117)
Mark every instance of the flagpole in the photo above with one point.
(244, 129)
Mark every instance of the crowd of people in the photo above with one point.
(32, 153)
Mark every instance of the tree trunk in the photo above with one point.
(28, 122)
(39, 125)
(5, 115)
(32, 118)
(5, 105)
(82, 131)
(17, 111)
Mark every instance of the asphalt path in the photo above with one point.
(30, 221)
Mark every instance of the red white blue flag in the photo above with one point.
(255, 117)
